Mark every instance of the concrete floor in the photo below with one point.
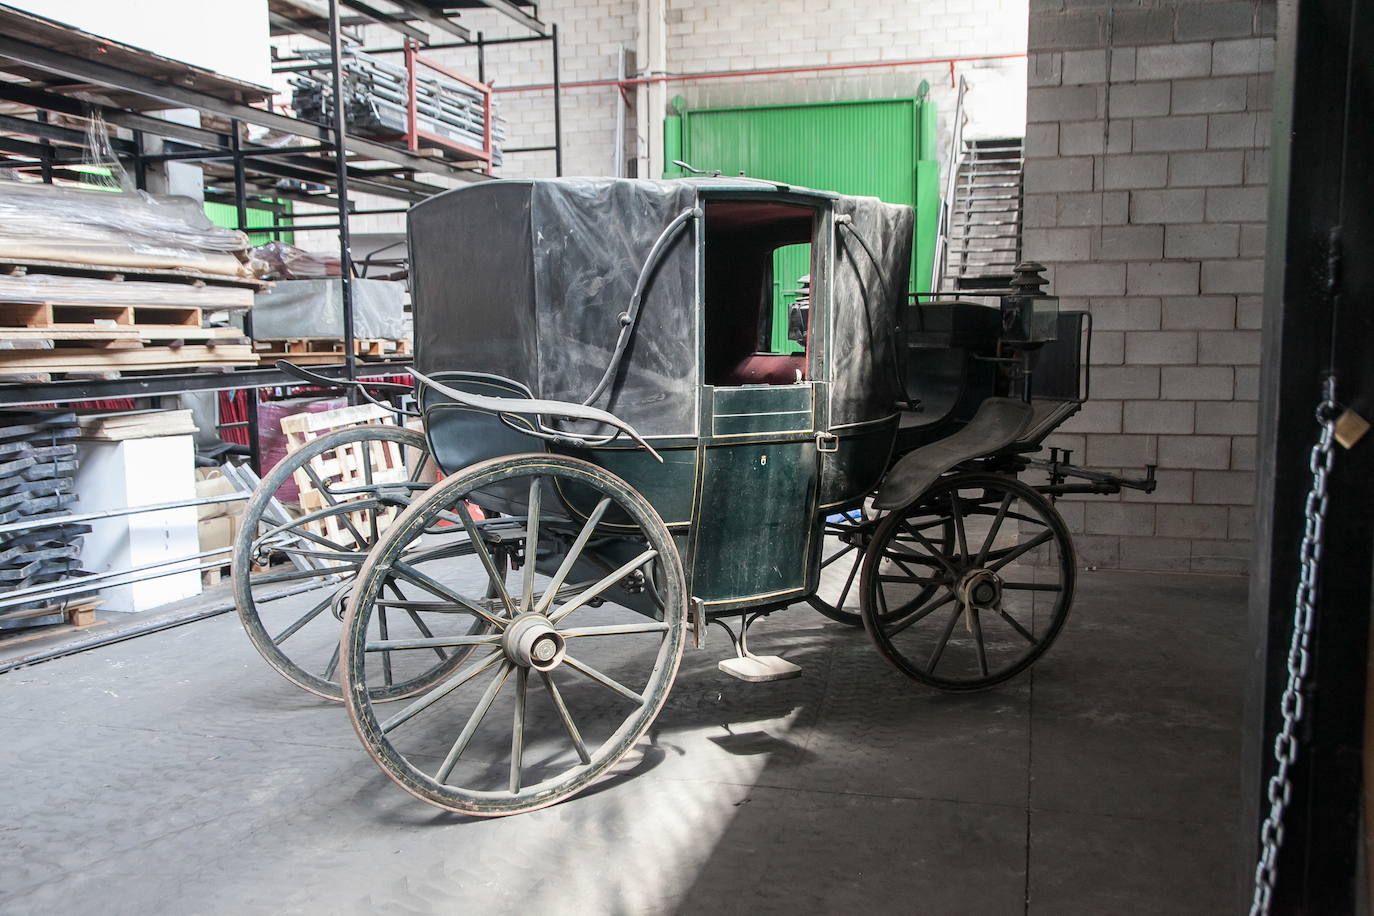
(176, 773)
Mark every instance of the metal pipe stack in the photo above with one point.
(376, 100)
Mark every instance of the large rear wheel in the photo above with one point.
(579, 652)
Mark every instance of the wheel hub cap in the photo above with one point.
(980, 588)
(532, 642)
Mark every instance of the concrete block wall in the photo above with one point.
(712, 35)
(1145, 190)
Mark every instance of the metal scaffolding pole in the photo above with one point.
(341, 168)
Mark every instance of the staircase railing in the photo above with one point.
(956, 157)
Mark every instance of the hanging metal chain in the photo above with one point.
(1299, 658)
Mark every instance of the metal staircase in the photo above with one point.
(982, 245)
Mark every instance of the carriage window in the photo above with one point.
(757, 284)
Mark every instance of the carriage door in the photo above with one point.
(755, 515)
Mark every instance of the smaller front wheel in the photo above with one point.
(579, 650)
(967, 612)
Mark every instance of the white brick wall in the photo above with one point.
(1146, 193)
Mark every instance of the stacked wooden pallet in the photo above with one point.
(312, 351)
(37, 467)
(61, 318)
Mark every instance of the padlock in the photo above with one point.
(1350, 428)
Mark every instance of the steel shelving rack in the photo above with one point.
(64, 71)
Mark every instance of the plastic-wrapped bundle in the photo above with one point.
(110, 228)
(280, 261)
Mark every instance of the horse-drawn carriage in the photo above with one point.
(630, 448)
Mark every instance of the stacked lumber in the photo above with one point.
(136, 424)
(315, 351)
(98, 284)
(37, 467)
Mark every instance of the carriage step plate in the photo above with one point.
(756, 668)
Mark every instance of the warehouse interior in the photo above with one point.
(819, 358)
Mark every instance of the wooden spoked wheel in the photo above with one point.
(847, 536)
(581, 649)
(305, 532)
(974, 611)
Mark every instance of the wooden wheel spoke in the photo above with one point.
(432, 642)
(464, 738)
(604, 680)
(566, 717)
(373, 528)
(305, 618)
(415, 618)
(606, 582)
(415, 577)
(333, 667)
(498, 581)
(1034, 586)
(352, 557)
(531, 543)
(384, 632)
(848, 583)
(922, 559)
(977, 627)
(440, 691)
(295, 574)
(919, 615)
(934, 552)
(574, 553)
(419, 467)
(298, 534)
(992, 531)
(1015, 625)
(517, 737)
(328, 495)
(910, 572)
(623, 629)
(944, 638)
(920, 580)
(836, 555)
(294, 526)
(1028, 546)
(429, 607)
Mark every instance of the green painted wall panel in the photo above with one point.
(882, 148)
(927, 223)
(226, 215)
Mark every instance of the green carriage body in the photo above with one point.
(524, 285)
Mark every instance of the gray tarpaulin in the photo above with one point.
(314, 308)
(527, 280)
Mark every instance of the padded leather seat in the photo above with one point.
(769, 369)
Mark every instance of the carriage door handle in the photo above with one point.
(827, 443)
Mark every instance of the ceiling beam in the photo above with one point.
(389, 20)
(286, 26)
(510, 10)
(438, 20)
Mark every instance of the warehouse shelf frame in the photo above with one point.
(53, 57)
(316, 164)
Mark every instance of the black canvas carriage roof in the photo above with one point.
(528, 280)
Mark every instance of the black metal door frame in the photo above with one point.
(1320, 261)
